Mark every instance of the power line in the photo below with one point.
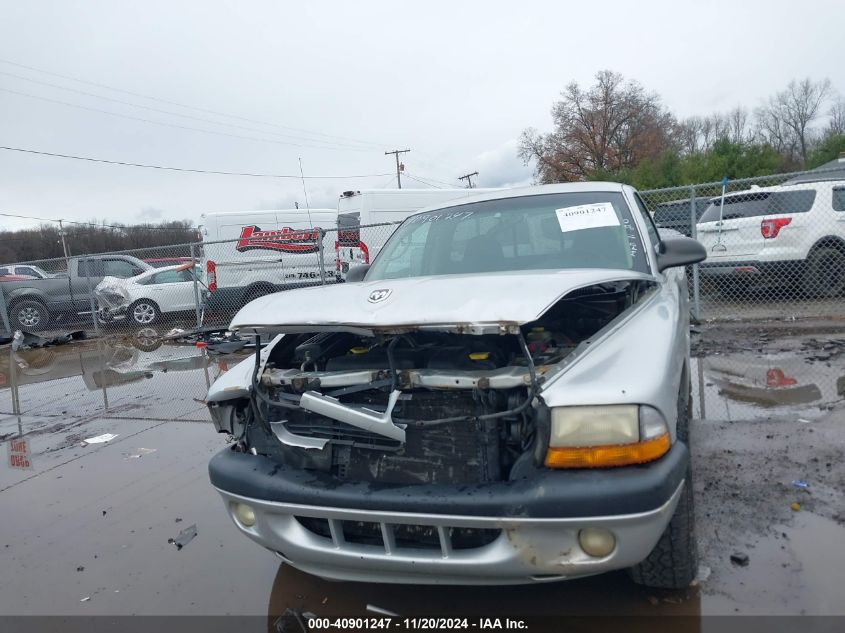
(182, 127)
(183, 169)
(429, 184)
(450, 185)
(171, 113)
(109, 226)
(428, 180)
(386, 183)
(182, 105)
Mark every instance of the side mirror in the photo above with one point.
(679, 251)
(357, 273)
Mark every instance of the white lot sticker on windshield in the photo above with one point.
(587, 216)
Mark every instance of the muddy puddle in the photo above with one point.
(775, 375)
(87, 528)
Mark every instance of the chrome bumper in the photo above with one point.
(524, 550)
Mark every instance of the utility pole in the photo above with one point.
(62, 233)
(399, 166)
(468, 178)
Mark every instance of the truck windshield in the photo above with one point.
(539, 232)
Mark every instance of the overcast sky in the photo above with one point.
(344, 81)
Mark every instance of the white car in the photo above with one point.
(25, 270)
(788, 234)
(144, 298)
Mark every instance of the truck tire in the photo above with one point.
(684, 408)
(824, 274)
(29, 315)
(673, 563)
(144, 312)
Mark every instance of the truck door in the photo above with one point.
(348, 246)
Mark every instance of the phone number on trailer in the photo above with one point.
(416, 624)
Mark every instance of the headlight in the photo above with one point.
(604, 436)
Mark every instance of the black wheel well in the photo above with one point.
(264, 287)
(16, 300)
(829, 241)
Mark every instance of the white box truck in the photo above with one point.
(248, 254)
(357, 209)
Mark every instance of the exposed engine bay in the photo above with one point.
(405, 406)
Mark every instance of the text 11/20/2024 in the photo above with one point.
(416, 624)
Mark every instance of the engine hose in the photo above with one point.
(532, 391)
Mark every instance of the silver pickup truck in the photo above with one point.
(501, 397)
(35, 304)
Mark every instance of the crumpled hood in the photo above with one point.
(479, 303)
(109, 290)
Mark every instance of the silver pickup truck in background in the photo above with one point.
(35, 304)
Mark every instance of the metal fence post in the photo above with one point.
(4, 313)
(91, 295)
(696, 297)
(196, 285)
(321, 255)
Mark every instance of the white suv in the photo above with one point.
(784, 235)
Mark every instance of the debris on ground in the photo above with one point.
(80, 568)
(140, 452)
(293, 621)
(795, 506)
(99, 439)
(28, 340)
(214, 339)
(185, 536)
(739, 558)
(800, 483)
(86, 599)
(229, 347)
(374, 609)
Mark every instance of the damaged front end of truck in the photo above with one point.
(476, 424)
(453, 403)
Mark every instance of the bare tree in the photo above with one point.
(787, 116)
(614, 124)
(771, 129)
(737, 120)
(688, 134)
(715, 127)
(836, 123)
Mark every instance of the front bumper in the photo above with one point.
(534, 522)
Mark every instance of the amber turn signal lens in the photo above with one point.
(607, 456)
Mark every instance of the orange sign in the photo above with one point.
(19, 456)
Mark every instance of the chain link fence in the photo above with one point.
(776, 251)
(775, 245)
